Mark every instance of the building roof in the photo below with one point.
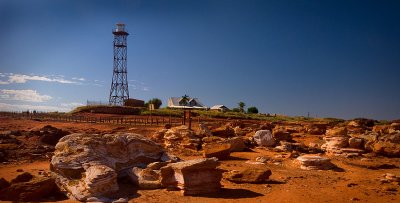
(175, 102)
(216, 107)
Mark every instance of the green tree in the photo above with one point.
(156, 101)
(252, 109)
(241, 106)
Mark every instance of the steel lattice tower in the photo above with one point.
(119, 86)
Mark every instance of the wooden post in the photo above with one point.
(189, 115)
(184, 117)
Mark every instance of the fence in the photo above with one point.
(123, 120)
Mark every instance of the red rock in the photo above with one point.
(3, 183)
(280, 134)
(250, 175)
(314, 162)
(34, 190)
(23, 177)
(218, 150)
(224, 131)
(194, 177)
(357, 143)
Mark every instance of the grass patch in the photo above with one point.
(123, 110)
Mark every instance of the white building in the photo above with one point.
(221, 108)
(192, 103)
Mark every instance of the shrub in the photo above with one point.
(156, 101)
(252, 109)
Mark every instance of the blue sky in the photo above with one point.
(330, 58)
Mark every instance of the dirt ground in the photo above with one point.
(355, 179)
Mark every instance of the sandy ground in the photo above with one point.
(355, 180)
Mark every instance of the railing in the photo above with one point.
(123, 120)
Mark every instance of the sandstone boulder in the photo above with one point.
(381, 129)
(212, 139)
(34, 190)
(281, 134)
(335, 142)
(181, 137)
(264, 138)
(204, 131)
(390, 177)
(262, 159)
(3, 183)
(291, 146)
(239, 131)
(395, 126)
(357, 143)
(392, 138)
(343, 146)
(267, 126)
(87, 165)
(51, 135)
(316, 128)
(99, 180)
(159, 136)
(336, 132)
(314, 162)
(236, 144)
(386, 144)
(23, 177)
(354, 124)
(349, 152)
(224, 131)
(218, 150)
(147, 178)
(387, 148)
(250, 175)
(194, 177)
(293, 128)
(369, 139)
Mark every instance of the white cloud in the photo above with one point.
(80, 79)
(138, 85)
(16, 107)
(20, 78)
(72, 104)
(23, 95)
(137, 81)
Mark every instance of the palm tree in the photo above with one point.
(184, 101)
(241, 106)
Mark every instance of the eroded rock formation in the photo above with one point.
(87, 165)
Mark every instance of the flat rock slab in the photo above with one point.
(193, 177)
(250, 175)
(314, 162)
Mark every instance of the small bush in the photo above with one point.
(252, 109)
